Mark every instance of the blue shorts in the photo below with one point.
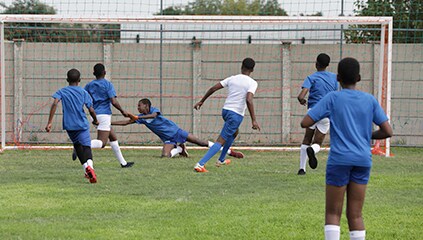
(179, 137)
(338, 175)
(232, 122)
(80, 136)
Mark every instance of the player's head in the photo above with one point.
(348, 71)
(322, 60)
(73, 76)
(144, 106)
(248, 65)
(99, 70)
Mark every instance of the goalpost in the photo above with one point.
(173, 60)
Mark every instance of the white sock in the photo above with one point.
(210, 144)
(303, 156)
(332, 232)
(316, 148)
(89, 162)
(118, 153)
(358, 235)
(95, 143)
(175, 151)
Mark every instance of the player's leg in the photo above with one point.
(81, 140)
(199, 167)
(193, 139)
(169, 150)
(231, 152)
(356, 192)
(322, 128)
(114, 144)
(333, 212)
(103, 131)
(308, 137)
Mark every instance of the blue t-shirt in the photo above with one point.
(101, 90)
(352, 114)
(73, 99)
(319, 84)
(161, 126)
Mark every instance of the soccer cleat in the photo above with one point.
(74, 155)
(128, 164)
(220, 163)
(301, 172)
(90, 174)
(236, 154)
(312, 160)
(199, 168)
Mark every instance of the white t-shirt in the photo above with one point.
(238, 87)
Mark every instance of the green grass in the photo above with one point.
(43, 195)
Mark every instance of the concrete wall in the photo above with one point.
(34, 71)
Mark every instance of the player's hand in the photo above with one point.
(256, 126)
(48, 127)
(95, 122)
(302, 101)
(198, 105)
(133, 117)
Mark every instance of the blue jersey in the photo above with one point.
(161, 126)
(352, 114)
(319, 84)
(101, 90)
(73, 99)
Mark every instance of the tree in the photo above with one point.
(407, 16)
(53, 32)
(227, 7)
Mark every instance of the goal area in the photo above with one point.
(173, 60)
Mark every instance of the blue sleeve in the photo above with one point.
(306, 83)
(379, 115)
(88, 101)
(111, 93)
(322, 108)
(57, 95)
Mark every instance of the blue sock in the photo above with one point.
(225, 149)
(210, 153)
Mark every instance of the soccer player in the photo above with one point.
(75, 121)
(241, 89)
(173, 137)
(351, 113)
(317, 85)
(103, 93)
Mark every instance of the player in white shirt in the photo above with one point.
(241, 90)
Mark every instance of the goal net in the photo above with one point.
(173, 60)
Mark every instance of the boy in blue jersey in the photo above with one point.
(352, 114)
(317, 85)
(241, 90)
(173, 137)
(103, 93)
(75, 121)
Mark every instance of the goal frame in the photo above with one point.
(385, 61)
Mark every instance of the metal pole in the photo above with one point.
(3, 88)
(342, 30)
(161, 58)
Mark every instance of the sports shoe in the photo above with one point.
(128, 164)
(236, 154)
(301, 172)
(74, 155)
(225, 162)
(199, 168)
(89, 171)
(312, 160)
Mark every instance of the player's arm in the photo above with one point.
(116, 104)
(307, 121)
(209, 92)
(52, 112)
(384, 131)
(250, 106)
(301, 96)
(149, 116)
(93, 115)
(123, 122)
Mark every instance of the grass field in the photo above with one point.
(44, 196)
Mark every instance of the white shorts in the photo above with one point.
(104, 122)
(323, 125)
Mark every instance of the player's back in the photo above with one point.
(238, 87)
(319, 84)
(101, 91)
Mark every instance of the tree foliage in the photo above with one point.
(53, 32)
(227, 7)
(408, 21)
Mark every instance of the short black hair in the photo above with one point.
(248, 63)
(73, 75)
(146, 101)
(349, 70)
(99, 69)
(323, 60)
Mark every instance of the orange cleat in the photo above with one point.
(225, 162)
(199, 168)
